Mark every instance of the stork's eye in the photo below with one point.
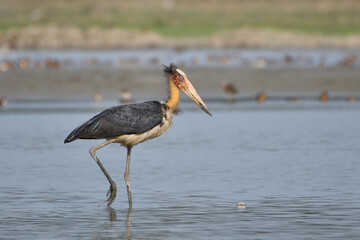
(181, 77)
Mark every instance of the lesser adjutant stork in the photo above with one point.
(132, 124)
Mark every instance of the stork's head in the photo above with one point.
(179, 78)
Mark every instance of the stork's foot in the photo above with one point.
(111, 194)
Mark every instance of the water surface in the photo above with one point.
(193, 57)
(295, 165)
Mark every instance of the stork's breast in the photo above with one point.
(157, 131)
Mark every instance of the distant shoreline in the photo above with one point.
(55, 37)
(59, 83)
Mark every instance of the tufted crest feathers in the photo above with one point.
(171, 69)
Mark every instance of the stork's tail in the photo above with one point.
(75, 134)
(70, 138)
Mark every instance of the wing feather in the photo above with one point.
(120, 120)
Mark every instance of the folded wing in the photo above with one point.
(120, 120)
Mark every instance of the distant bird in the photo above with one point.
(288, 59)
(135, 123)
(351, 98)
(98, 97)
(324, 96)
(261, 97)
(6, 66)
(349, 61)
(24, 63)
(52, 63)
(230, 89)
(126, 96)
(261, 63)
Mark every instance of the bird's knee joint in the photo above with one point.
(92, 152)
(93, 155)
(127, 178)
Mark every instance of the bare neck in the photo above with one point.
(173, 100)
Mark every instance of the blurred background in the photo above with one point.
(91, 24)
(279, 159)
(313, 45)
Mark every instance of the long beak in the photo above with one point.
(189, 90)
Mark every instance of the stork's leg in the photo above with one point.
(112, 190)
(127, 175)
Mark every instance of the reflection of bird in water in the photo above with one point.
(126, 96)
(261, 97)
(324, 96)
(113, 218)
(112, 214)
(132, 124)
(128, 223)
(231, 90)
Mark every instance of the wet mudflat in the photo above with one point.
(295, 165)
(45, 73)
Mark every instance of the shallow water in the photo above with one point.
(193, 57)
(295, 165)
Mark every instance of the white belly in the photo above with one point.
(157, 131)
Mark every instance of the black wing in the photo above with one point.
(120, 120)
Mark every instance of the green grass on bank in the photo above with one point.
(189, 18)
